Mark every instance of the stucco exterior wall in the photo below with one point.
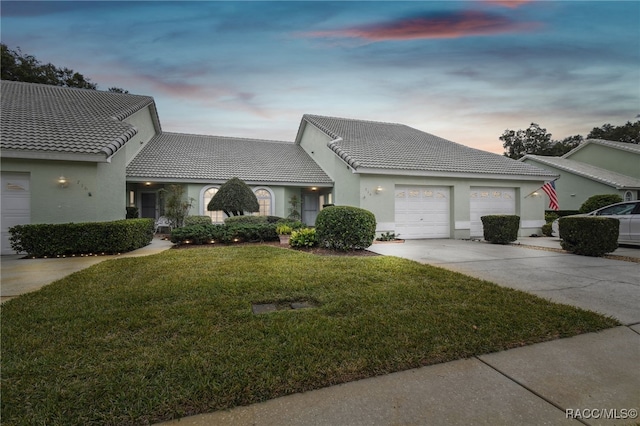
(280, 197)
(86, 198)
(143, 122)
(346, 189)
(619, 161)
(382, 203)
(573, 190)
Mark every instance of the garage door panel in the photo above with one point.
(422, 212)
(16, 205)
(489, 201)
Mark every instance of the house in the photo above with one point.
(419, 185)
(594, 167)
(64, 152)
(74, 155)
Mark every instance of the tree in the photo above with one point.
(176, 206)
(536, 140)
(234, 198)
(519, 143)
(117, 90)
(629, 132)
(16, 66)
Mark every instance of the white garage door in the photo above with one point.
(16, 205)
(422, 212)
(488, 201)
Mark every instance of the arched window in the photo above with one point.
(628, 196)
(207, 195)
(265, 200)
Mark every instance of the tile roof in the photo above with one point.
(213, 158)
(52, 119)
(377, 145)
(624, 146)
(607, 177)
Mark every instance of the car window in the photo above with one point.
(621, 209)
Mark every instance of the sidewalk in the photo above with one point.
(19, 276)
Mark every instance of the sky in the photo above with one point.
(462, 70)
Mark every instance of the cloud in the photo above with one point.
(509, 3)
(433, 26)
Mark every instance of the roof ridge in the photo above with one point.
(355, 119)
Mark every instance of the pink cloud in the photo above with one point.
(449, 25)
(509, 3)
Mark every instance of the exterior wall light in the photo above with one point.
(378, 189)
(63, 182)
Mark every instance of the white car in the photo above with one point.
(628, 213)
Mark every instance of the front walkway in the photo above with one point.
(19, 275)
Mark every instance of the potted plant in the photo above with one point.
(284, 233)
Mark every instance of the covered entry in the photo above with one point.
(488, 201)
(422, 212)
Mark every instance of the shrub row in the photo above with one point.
(500, 229)
(345, 228)
(589, 235)
(226, 233)
(81, 238)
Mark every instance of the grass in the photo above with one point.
(142, 340)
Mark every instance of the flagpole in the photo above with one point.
(533, 193)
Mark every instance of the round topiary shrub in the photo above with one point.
(589, 235)
(500, 228)
(597, 201)
(345, 228)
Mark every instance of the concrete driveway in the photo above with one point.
(610, 287)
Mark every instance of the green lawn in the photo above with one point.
(147, 339)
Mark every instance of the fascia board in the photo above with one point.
(56, 156)
(464, 175)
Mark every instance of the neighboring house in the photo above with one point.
(111, 152)
(594, 167)
(64, 152)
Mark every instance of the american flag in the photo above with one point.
(550, 189)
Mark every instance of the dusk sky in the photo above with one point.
(465, 71)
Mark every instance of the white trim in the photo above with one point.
(198, 181)
(202, 211)
(462, 224)
(467, 175)
(532, 223)
(48, 155)
(273, 197)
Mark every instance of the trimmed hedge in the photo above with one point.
(345, 228)
(81, 238)
(589, 235)
(500, 228)
(598, 201)
(224, 233)
(197, 220)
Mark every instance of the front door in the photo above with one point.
(148, 205)
(310, 203)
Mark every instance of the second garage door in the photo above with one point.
(488, 201)
(422, 212)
